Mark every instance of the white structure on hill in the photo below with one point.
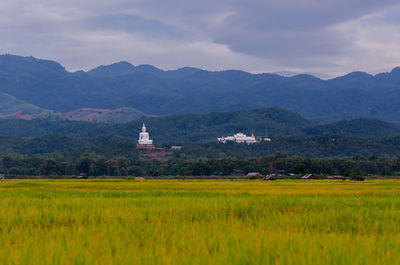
(144, 139)
(239, 138)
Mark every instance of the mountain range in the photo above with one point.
(37, 86)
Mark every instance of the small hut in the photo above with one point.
(308, 176)
(269, 177)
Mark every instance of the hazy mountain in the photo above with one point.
(48, 85)
(115, 69)
(291, 74)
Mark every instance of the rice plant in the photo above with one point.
(199, 222)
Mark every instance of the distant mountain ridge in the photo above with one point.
(47, 85)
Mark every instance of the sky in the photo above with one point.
(331, 37)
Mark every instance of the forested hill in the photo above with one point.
(47, 85)
(177, 128)
(357, 127)
(201, 128)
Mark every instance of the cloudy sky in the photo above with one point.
(314, 36)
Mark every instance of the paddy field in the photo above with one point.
(199, 222)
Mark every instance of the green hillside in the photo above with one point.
(200, 128)
(358, 127)
(10, 105)
(178, 128)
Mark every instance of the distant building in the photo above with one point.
(253, 174)
(176, 147)
(335, 177)
(308, 176)
(267, 139)
(238, 138)
(83, 176)
(144, 141)
(269, 177)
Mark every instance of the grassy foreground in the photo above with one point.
(199, 222)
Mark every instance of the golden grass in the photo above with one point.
(199, 222)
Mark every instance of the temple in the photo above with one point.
(239, 138)
(144, 139)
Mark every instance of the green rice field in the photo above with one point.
(199, 222)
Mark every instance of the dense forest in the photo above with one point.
(62, 147)
(111, 146)
(116, 155)
(49, 147)
(33, 165)
(185, 127)
(202, 128)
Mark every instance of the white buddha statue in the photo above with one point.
(144, 138)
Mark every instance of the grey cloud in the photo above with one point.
(136, 24)
(286, 32)
(261, 34)
(293, 44)
(290, 31)
(299, 14)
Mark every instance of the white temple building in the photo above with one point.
(239, 138)
(144, 139)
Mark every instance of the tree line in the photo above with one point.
(33, 165)
(116, 146)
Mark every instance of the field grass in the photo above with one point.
(199, 222)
